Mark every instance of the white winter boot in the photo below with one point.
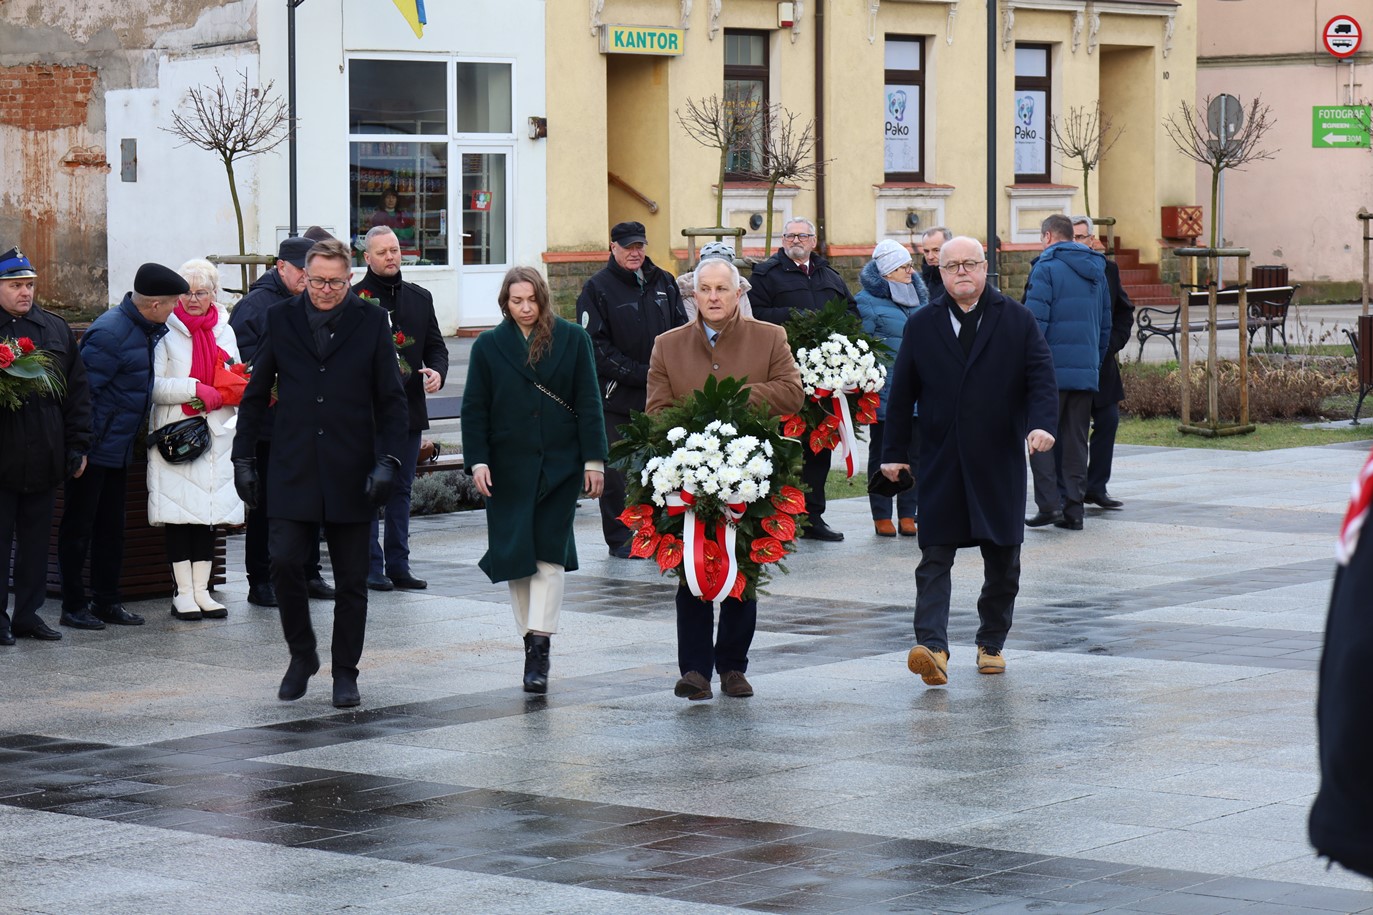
(209, 607)
(183, 600)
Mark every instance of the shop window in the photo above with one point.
(903, 95)
(1033, 113)
(405, 124)
(746, 98)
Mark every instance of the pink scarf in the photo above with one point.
(205, 353)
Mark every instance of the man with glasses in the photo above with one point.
(976, 362)
(1110, 390)
(340, 420)
(1068, 295)
(797, 279)
(930, 243)
(249, 321)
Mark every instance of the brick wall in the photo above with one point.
(565, 281)
(45, 96)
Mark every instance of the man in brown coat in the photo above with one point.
(720, 343)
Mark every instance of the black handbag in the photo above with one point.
(182, 441)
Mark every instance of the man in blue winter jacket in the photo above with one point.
(1069, 297)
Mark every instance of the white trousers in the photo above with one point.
(538, 599)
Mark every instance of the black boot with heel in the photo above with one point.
(536, 663)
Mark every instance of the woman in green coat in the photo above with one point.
(534, 438)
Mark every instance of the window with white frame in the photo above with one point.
(1033, 113)
(409, 122)
(903, 95)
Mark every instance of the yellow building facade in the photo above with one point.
(897, 89)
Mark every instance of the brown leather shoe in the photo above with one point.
(990, 661)
(884, 527)
(908, 528)
(932, 666)
(733, 683)
(693, 686)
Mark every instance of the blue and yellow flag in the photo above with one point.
(413, 11)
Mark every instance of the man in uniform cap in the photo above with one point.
(47, 435)
(249, 321)
(625, 306)
(117, 351)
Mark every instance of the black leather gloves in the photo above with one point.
(381, 479)
(245, 481)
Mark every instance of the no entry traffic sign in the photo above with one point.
(1342, 36)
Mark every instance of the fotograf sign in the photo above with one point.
(642, 39)
(1339, 127)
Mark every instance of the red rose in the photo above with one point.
(781, 525)
(6, 356)
(670, 552)
(790, 500)
(766, 549)
(25, 345)
(400, 338)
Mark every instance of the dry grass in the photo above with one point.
(1279, 388)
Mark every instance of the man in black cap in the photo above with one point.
(249, 321)
(49, 434)
(341, 421)
(625, 306)
(117, 350)
(410, 309)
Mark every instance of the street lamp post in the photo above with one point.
(991, 141)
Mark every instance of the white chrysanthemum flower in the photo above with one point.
(758, 467)
(767, 448)
(763, 487)
(748, 491)
(676, 434)
(728, 429)
(695, 440)
(659, 500)
(712, 425)
(862, 344)
(710, 486)
(730, 476)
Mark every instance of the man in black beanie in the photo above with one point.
(249, 321)
(117, 351)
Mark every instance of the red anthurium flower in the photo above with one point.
(636, 516)
(829, 423)
(740, 583)
(821, 439)
(645, 542)
(6, 356)
(766, 549)
(789, 500)
(869, 400)
(793, 425)
(670, 551)
(25, 345)
(781, 525)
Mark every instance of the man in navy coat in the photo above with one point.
(977, 364)
(340, 421)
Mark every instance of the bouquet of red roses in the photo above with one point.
(26, 370)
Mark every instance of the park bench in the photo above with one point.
(442, 408)
(1268, 308)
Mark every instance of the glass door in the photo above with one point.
(485, 223)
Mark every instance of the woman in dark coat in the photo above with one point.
(534, 437)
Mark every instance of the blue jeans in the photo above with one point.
(397, 513)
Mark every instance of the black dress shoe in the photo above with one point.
(6, 636)
(297, 677)
(262, 595)
(36, 630)
(80, 619)
(1042, 518)
(407, 582)
(116, 615)
(379, 583)
(822, 532)
(1103, 499)
(346, 691)
(1069, 524)
(319, 589)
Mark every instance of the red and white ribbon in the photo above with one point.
(847, 447)
(694, 538)
(1361, 496)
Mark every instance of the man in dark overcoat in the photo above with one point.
(45, 442)
(340, 420)
(1340, 817)
(793, 280)
(249, 320)
(410, 309)
(976, 362)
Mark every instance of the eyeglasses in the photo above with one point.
(910, 267)
(797, 236)
(200, 294)
(319, 283)
(961, 266)
(1083, 237)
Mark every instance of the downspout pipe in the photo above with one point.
(991, 143)
(820, 228)
(291, 107)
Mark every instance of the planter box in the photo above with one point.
(1181, 223)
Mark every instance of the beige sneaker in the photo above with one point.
(990, 661)
(932, 666)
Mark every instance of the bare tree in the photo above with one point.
(1190, 133)
(233, 124)
(1081, 139)
(788, 155)
(729, 124)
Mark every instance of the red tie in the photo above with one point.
(805, 268)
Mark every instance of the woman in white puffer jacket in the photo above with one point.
(191, 498)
